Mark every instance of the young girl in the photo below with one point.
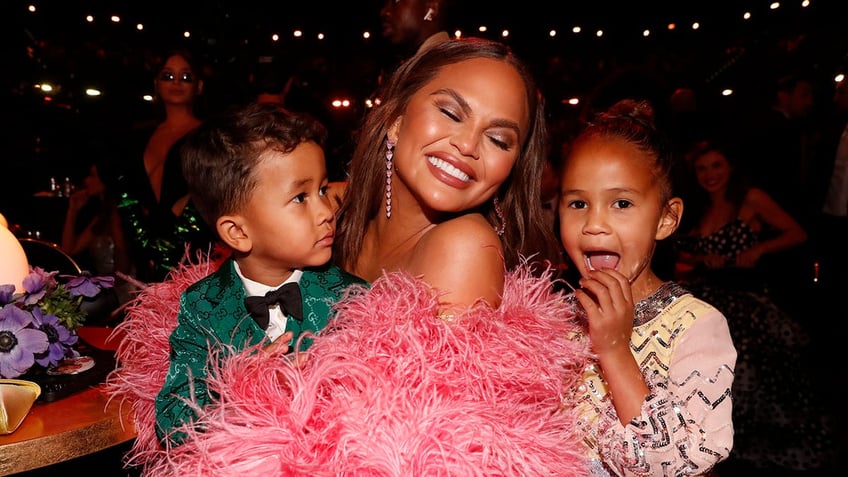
(657, 401)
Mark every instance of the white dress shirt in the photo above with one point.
(277, 321)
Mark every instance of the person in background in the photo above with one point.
(158, 219)
(408, 27)
(831, 255)
(832, 183)
(733, 224)
(780, 421)
(258, 176)
(92, 234)
(445, 179)
(271, 80)
(657, 401)
(779, 143)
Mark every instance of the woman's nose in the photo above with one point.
(467, 141)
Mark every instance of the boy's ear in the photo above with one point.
(670, 219)
(232, 231)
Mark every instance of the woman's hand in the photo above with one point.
(714, 261)
(749, 258)
(77, 200)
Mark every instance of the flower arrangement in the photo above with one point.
(38, 326)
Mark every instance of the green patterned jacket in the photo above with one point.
(213, 317)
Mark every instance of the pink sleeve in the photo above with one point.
(686, 426)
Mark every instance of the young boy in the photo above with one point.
(258, 176)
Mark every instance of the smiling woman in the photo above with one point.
(445, 176)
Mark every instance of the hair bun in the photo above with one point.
(640, 111)
(636, 109)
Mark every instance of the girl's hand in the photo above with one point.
(607, 298)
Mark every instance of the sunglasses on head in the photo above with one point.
(185, 77)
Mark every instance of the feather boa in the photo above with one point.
(388, 390)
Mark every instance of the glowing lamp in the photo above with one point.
(13, 261)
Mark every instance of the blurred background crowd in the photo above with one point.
(645, 48)
(751, 93)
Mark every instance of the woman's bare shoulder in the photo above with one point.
(469, 231)
(464, 258)
(460, 246)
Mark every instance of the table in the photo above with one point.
(72, 427)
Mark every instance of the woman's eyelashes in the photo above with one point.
(501, 144)
(504, 144)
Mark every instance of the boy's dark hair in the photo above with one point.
(220, 156)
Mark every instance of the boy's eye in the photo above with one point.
(299, 198)
(622, 204)
(323, 190)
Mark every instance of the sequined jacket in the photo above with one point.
(685, 352)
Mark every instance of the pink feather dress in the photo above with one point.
(389, 389)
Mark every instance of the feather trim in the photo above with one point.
(392, 390)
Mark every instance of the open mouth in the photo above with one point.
(601, 260)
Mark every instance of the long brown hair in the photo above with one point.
(526, 232)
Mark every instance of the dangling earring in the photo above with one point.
(390, 152)
(500, 230)
(428, 17)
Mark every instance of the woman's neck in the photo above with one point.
(388, 244)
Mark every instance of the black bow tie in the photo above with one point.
(287, 296)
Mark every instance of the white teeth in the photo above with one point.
(444, 166)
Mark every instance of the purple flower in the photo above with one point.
(60, 340)
(18, 341)
(88, 286)
(7, 294)
(36, 284)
